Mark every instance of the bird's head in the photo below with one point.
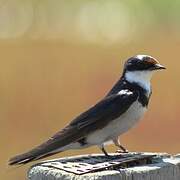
(139, 69)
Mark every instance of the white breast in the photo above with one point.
(119, 125)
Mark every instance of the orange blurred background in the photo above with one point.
(56, 61)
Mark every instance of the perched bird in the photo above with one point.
(116, 113)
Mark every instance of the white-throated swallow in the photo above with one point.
(116, 113)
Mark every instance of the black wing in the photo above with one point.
(103, 112)
(95, 118)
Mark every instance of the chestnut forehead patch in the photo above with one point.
(151, 60)
(140, 62)
(147, 59)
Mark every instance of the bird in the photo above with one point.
(118, 111)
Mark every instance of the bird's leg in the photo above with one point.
(117, 143)
(104, 151)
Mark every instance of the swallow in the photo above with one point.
(119, 111)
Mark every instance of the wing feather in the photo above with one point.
(95, 118)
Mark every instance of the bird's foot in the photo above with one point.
(108, 156)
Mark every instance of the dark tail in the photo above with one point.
(50, 147)
(54, 145)
(28, 157)
(22, 159)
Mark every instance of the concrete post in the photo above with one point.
(130, 166)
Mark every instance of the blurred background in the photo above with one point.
(59, 57)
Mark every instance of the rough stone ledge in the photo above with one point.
(163, 167)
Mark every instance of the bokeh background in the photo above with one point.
(59, 57)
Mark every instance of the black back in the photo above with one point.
(134, 87)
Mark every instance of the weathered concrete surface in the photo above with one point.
(162, 167)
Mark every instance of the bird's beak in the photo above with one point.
(159, 67)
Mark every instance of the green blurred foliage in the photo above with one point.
(60, 57)
(101, 22)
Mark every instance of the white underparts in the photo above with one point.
(142, 78)
(119, 125)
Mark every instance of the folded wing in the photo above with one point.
(95, 118)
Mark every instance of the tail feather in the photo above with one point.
(54, 145)
(21, 159)
(28, 157)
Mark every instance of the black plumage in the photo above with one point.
(95, 118)
(112, 106)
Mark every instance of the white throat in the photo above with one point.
(143, 78)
